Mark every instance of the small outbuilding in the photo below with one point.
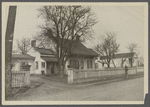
(22, 62)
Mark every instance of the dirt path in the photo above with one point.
(41, 87)
(46, 88)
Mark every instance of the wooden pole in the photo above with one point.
(8, 50)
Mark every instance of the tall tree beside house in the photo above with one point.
(132, 47)
(63, 25)
(107, 47)
(23, 45)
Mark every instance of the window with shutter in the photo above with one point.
(43, 64)
(89, 64)
(82, 65)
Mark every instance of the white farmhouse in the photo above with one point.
(45, 61)
(81, 58)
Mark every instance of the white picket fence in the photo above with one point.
(81, 74)
(20, 78)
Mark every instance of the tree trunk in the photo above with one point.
(108, 65)
(102, 65)
(113, 63)
(61, 71)
(61, 68)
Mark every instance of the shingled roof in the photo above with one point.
(79, 49)
(121, 55)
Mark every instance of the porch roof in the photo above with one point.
(49, 59)
(22, 56)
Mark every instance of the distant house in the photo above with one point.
(122, 59)
(45, 61)
(20, 60)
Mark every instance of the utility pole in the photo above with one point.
(8, 49)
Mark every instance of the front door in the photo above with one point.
(50, 68)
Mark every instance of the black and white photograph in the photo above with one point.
(74, 53)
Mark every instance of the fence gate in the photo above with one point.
(18, 79)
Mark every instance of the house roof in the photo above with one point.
(49, 59)
(45, 51)
(79, 49)
(121, 55)
(22, 56)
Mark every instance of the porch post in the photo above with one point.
(99, 73)
(85, 73)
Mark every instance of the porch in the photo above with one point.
(50, 66)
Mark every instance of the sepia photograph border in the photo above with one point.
(145, 4)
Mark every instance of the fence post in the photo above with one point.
(136, 70)
(99, 73)
(109, 72)
(27, 77)
(85, 73)
(70, 75)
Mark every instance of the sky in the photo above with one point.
(126, 21)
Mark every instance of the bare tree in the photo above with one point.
(63, 25)
(132, 47)
(23, 45)
(107, 48)
(44, 41)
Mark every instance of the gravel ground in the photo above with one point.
(51, 85)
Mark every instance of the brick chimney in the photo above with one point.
(33, 43)
(78, 38)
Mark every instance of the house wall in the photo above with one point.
(17, 66)
(119, 61)
(84, 61)
(38, 59)
(99, 65)
(40, 68)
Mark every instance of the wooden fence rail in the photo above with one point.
(81, 74)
